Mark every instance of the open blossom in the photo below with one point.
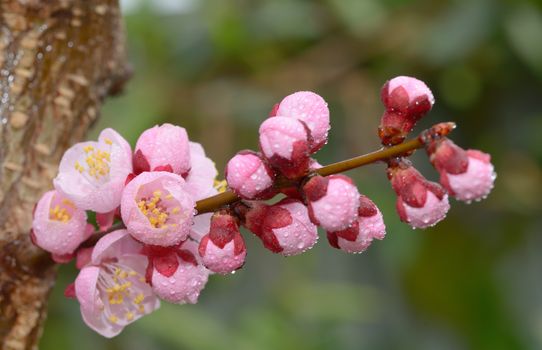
(333, 201)
(59, 227)
(359, 236)
(248, 176)
(92, 174)
(200, 179)
(466, 174)
(163, 147)
(111, 289)
(285, 144)
(157, 209)
(284, 227)
(177, 275)
(311, 109)
(223, 249)
(420, 203)
(406, 100)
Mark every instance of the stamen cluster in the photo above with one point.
(130, 219)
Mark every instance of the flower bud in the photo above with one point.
(59, 227)
(157, 209)
(311, 109)
(406, 100)
(285, 144)
(178, 276)
(466, 174)
(92, 174)
(420, 203)
(284, 227)
(333, 201)
(163, 147)
(359, 236)
(223, 249)
(249, 177)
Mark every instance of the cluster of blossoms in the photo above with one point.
(162, 248)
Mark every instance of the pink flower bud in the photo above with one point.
(420, 203)
(311, 109)
(178, 277)
(157, 209)
(111, 289)
(59, 227)
(285, 227)
(285, 144)
(333, 201)
(359, 236)
(92, 174)
(223, 249)
(467, 175)
(162, 146)
(406, 100)
(249, 177)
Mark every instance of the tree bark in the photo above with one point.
(58, 60)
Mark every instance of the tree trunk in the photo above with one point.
(58, 60)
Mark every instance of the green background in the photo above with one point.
(217, 67)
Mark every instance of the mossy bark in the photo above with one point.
(58, 60)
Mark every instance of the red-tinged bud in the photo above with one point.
(285, 144)
(466, 174)
(406, 100)
(249, 176)
(420, 203)
(359, 236)
(83, 257)
(223, 249)
(333, 201)
(69, 292)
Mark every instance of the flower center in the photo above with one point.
(61, 212)
(155, 210)
(97, 162)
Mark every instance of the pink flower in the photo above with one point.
(249, 177)
(178, 276)
(406, 100)
(59, 227)
(333, 201)
(92, 174)
(311, 109)
(420, 203)
(223, 249)
(467, 175)
(160, 147)
(112, 290)
(359, 236)
(200, 179)
(284, 227)
(285, 144)
(157, 208)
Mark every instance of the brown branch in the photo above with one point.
(58, 60)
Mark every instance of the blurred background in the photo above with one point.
(217, 67)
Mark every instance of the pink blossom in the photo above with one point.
(333, 201)
(249, 177)
(178, 276)
(406, 100)
(111, 290)
(163, 146)
(284, 227)
(92, 174)
(285, 144)
(359, 236)
(223, 249)
(467, 175)
(420, 203)
(311, 109)
(157, 208)
(59, 227)
(200, 179)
